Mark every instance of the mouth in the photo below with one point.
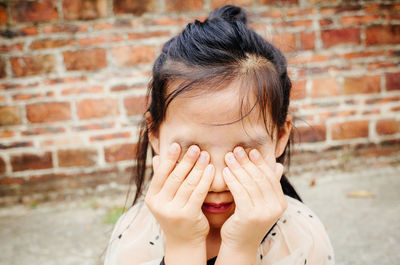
(217, 207)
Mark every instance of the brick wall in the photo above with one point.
(73, 76)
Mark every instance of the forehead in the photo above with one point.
(216, 114)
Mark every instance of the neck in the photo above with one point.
(213, 243)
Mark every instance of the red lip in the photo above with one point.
(216, 207)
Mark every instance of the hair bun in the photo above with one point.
(229, 13)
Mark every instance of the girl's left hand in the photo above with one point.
(258, 197)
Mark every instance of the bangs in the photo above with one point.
(257, 76)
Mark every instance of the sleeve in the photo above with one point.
(136, 239)
(299, 237)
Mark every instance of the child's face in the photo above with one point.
(186, 123)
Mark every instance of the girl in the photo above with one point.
(219, 128)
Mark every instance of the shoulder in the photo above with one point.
(136, 236)
(299, 235)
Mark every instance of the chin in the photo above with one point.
(216, 220)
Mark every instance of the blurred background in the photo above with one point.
(73, 77)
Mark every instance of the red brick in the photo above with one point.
(118, 88)
(353, 55)
(76, 157)
(361, 85)
(349, 130)
(50, 43)
(392, 81)
(64, 28)
(325, 22)
(97, 108)
(358, 20)
(83, 9)
(148, 34)
(340, 36)
(286, 42)
(131, 56)
(10, 115)
(85, 59)
(166, 21)
(62, 141)
(339, 9)
(387, 126)
(332, 114)
(104, 137)
(31, 161)
(135, 105)
(278, 2)
(219, 3)
(11, 47)
(48, 112)
(293, 24)
(82, 90)
(34, 11)
(3, 72)
(15, 145)
(307, 40)
(270, 13)
(11, 180)
(94, 126)
(99, 40)
(43, 131)
(120, 152)
(310, 134)
(388, 34)
(134, 7)
(27, 96)
(29, 31)
(183, 5)
(381, 7)
(2, 166)
(307, 58)
(33, 65)
(325, 87)
(298, 90)
(3, 14)
(6, 134)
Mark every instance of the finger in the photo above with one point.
(165, 166)
(156, 162)
(272, 176)
(264, 186)
(175, 179)
(240, 195)
(243, 177)
(200, 192)
(191, 181)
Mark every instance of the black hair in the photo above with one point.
(220, 49)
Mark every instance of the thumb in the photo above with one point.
(279, 170)
(156, 162)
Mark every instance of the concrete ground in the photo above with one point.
(359, 206)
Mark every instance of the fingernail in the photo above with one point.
(209, 169)
(254, 154)
(203, 157)
(193, 150)
(239, 151)
(231, 157)
(227, 172)
(173, 148)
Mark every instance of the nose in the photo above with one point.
(218, 184)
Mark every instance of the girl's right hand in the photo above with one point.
(176, 194)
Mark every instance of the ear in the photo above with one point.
(283, 136)
(154, 139)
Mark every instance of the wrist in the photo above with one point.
(177, 253)
(235, 254)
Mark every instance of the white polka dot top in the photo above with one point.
(298, 237)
